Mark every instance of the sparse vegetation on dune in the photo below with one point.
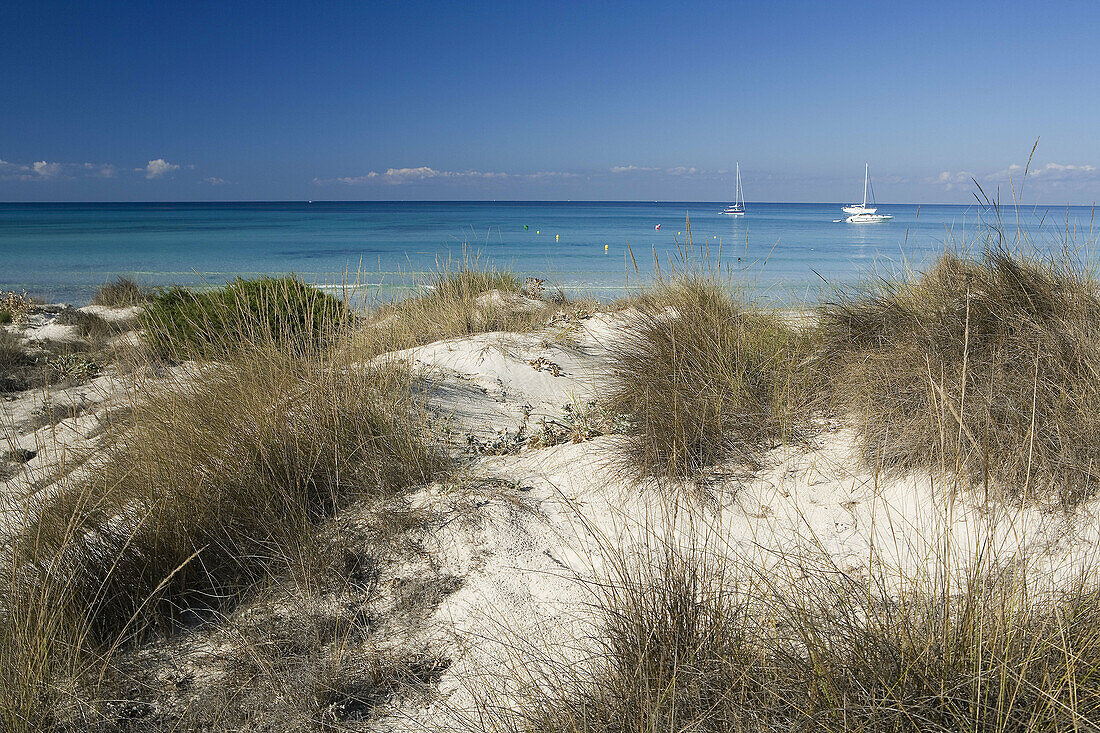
(233, 466)
(987, 368)
(217, 484)
(458, 303)
(690, 643)
(706, 379)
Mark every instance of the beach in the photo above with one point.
(498, 565)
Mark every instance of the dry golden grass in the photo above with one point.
(215, 486)
(692, 643)
(121, 293)
(986, 368)
(706, 379)
(458, 303)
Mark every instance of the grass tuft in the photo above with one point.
(705, 379)
(122, 292)
(685, 644)
(986, 368)
(458, 303)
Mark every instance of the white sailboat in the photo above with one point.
(862, 213)
(737, 208)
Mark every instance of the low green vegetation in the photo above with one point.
(179, 323)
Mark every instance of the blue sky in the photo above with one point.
(589, 100)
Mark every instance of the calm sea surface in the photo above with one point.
(781, 253)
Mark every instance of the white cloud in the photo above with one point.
(952, 179)
(105, 170)
(682, 170)
(547, 174)
(42, 170)
(215, 181)
(159, 168)
(632, 169)
(13, 170)
(398, 176)
(47, 170)
(1050, 174)
(1059, 172)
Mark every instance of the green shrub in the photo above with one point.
(181, 323)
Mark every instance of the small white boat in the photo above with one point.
(867, 218)
(862, 213)
(737, 208)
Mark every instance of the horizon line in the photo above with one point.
(716, 202)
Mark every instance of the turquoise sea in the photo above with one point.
(782, 253)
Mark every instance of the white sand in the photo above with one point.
(524, 551)
(111, 313)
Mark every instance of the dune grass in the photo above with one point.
(180, 323)
(460, 302)
(692, 643)
(89, 326)
(215, 486)
(122, 292)
(706, 379)
(984, 367)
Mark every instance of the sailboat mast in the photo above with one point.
(866, 177)
(740, 193)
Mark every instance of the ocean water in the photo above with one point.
(785, 254)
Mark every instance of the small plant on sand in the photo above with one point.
(89, 326)
(122, 292)
(986, 368)
(14, 306)
(180, 323)
(705, 379)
